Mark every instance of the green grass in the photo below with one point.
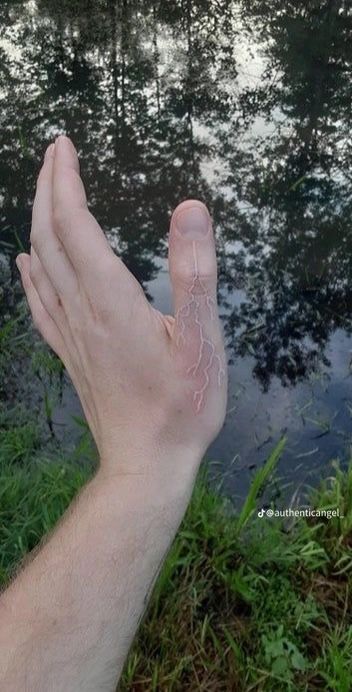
(242, 603)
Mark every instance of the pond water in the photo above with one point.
(246, 105)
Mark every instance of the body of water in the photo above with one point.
(247, 106)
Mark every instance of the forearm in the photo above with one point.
(68, 620)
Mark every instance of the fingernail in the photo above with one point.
(192, 222)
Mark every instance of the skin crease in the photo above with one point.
(153, 388)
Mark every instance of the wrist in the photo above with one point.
(158, 471)
(142, 501)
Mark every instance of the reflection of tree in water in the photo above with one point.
(150, 94)
(292, 211)
(96, 71)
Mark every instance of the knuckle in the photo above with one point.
(197, 284)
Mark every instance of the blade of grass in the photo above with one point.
(259, 480)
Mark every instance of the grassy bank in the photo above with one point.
(242, 604)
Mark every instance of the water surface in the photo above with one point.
(246, 105)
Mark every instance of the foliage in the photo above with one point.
(264, 608)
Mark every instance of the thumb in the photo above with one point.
(193, 272)
(192, 259)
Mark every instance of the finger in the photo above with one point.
(46, 291)
(80, 234)
(41, 318)
(193, 272)
(43, 238)
(77, 229)
(192, 258)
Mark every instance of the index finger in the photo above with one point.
(43, 238)
(77, 229)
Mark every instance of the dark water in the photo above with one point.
(246, 105)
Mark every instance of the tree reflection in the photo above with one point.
(153, 95)
(292, 213)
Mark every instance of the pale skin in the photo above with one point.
(153, 389)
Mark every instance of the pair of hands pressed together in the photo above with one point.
(153, 389)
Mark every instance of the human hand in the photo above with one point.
(147, 382)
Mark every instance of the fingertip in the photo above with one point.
(65, 152)
(49, 153)
(20, 261)
(62, 139)
(191, 220)
(64, 144)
